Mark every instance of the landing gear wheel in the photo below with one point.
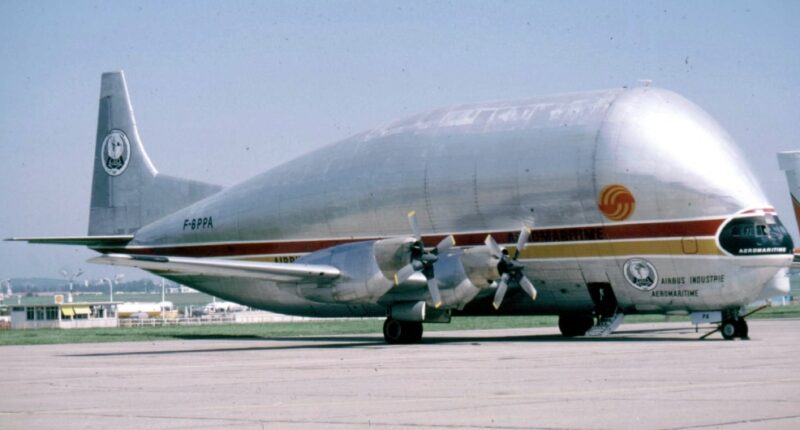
(401, 332)
(741, 329)
(728, 329)
(575, 325)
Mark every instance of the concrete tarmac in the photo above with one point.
(496, 379)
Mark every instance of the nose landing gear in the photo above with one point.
(734, 326)
(731, 329)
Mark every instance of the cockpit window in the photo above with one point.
(757, 235)
(742, 230)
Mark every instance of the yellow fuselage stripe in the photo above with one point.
(620, 248)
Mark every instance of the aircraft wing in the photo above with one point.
(90, 241)
(278, 272)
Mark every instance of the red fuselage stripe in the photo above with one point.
(546, 235)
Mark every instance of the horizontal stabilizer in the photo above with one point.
(113, 241)
(278, 272)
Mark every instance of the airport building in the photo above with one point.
(63, 315)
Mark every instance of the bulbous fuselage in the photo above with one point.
(628, 188)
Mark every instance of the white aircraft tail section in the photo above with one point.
(789, 162)
(127, 190)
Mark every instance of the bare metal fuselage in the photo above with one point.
(491, 168)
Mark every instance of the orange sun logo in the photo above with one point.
(616, 202)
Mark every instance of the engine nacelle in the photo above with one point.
(361, 280)
(456, 288)
(368, 272)
(480, 266)
(392, 254)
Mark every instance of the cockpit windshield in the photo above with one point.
(756, 235)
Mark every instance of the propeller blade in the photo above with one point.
(523, 240)
(412, 221)
(501, 293)
(494, 248)
(446, 243)
(436, 296)
(528, 287)
(403, 274)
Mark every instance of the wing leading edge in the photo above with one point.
(278, 272)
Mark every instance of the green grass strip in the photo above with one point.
(266, 331)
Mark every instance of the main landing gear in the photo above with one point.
(605, 308)
(402, 332)
(572, 325)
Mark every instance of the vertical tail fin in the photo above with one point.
(789, 162)
(127, 190)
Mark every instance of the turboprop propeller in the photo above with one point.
(508, 267)
(423, 260)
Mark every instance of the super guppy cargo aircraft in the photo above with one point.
(588, 206)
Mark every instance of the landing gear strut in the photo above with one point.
(733, 325)
(405, 332)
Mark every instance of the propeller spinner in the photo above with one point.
(423, 260)
(508, 267)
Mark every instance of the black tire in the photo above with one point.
(574, 324)
(413, 332)
(728, 329)
(741, 329)
(392, 331)
(401, 332)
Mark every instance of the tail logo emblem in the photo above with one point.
(116, 152)
(616, 202)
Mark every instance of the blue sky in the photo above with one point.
(225, 90)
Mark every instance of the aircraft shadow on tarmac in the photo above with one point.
(374, 341)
